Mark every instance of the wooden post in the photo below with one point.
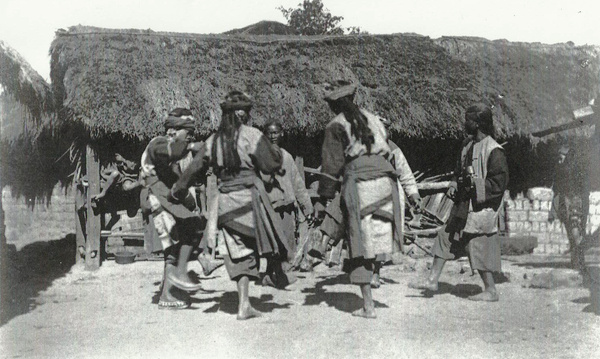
(80, 215)
(3, 256)
(92, 243)
(300, 164)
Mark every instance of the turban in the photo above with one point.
(180, 123)
(236, 100)
(338, 89)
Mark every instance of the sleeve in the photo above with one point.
(493, 186)
(333, 159)
(300, 191)
(266, 157)
(404, 173)
(456, 173)
(163, 152)
(197, 166)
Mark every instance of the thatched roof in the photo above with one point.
(124, 81)
(25, 98)
(30, 154)
(533, 85)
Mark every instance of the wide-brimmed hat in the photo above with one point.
(338, 89)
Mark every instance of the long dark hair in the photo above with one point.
(236, 111)
(227, 138)
(359, 125)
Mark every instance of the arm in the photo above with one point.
(266, 157)
(163, 152)
(492, 187)
(300, 191)
(111, 176)
(198, 165)
(333, 159)
(453, 188)
(405, 174)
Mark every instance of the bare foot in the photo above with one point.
(375, 281)
(370, 314)
(485, 296)
(183, 282)
(247, 313)
(173, 299)
(424, 284)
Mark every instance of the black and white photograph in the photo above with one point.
(299, 179)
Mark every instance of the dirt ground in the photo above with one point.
(54, 309)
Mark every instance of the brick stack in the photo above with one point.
(530, 216)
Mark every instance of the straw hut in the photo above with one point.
(27, 152)
(26, 115)
(116, 86)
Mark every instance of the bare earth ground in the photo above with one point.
(58, 310)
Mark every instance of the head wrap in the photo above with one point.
(235, 101)
(338, 89)
(180, 119)
(481, 114)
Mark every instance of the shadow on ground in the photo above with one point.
(31, 271)
(459, 290)
(228, 303)
(342, 301)
(593, 301)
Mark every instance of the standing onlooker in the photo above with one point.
(481, 177)
(571, 197)
(287, 192)
(407, 188)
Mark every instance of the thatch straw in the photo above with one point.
(25, 97)
(125, 81)
(533, 86)
(28, 150)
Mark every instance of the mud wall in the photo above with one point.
(31, 222)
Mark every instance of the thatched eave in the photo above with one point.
(125, 81)
(25, 97)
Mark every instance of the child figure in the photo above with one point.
(124, 172)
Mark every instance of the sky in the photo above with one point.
(28, 26)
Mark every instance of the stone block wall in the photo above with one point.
(529, 215)
(43, 223)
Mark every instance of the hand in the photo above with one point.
(319, 209)
(194, 147)
(415, 201)
(310, 219)
(172, 197)
(451, 192)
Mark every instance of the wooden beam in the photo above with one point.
(93, 228)
(433, 185)
(80, 215)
